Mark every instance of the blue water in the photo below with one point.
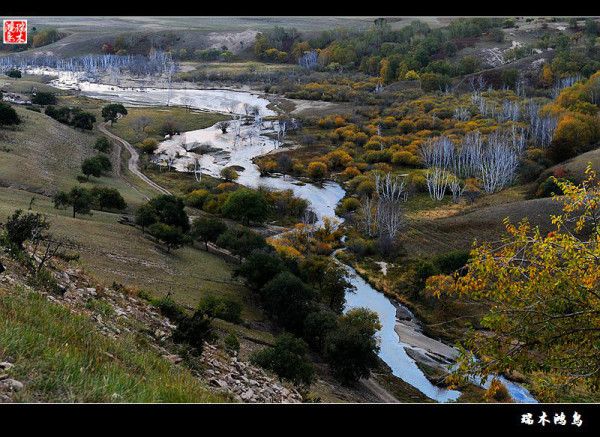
(323, 201)
(392, 350)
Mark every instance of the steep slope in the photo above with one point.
(87, 343)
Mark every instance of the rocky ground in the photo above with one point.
(116, 311)
(8, 385)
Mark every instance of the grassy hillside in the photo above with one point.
(48, 162)
(37, 162)
(439, 235)
(51, 162)
(121, 253)
(575, 167)
(62, 357)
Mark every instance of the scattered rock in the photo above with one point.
(5, 365)
(10, 384)
(242, 380)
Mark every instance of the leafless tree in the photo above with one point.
(281, 129)
(45, 248)
(462, 114)
(367, 215)
(511, 110)
(140, 124)
(187, 101)
(477, 83)
(170, 161)
(541, 127)
(437, 154)
(390, 219)
(499, 162)
(223, 126)
(309, 59)
(563, 83)
(457, 187)
(390, 188)
(284, 162)
(197, 170)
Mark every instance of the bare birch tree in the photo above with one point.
(386, 216)
(367, 216)
(437, 154)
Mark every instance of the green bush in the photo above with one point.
(317, 326)
(231, 343)
(14, 73)
(451, 261)
(221, 308)
(351, 349)
(349, 204)
(362, 247)
(246, 206)
(102, 145)
(529, 170)
(170, 236)
(194, 331)
(423, 270)
(169, 308)
(197, 198)
(42, 98)
(549, 187)
(21, 227)
(8, 115)
(241, 241)
(288, 300)
(287, 358)
(260, 267)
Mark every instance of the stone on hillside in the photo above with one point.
(12, 384)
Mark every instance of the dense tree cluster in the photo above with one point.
(381, 51)
(83, 200)
(75, 117)
(245, 205)
(305, 295)
(44, 98)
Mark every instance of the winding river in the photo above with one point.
(400, 337)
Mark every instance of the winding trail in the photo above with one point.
(134, 160)
(370, 384)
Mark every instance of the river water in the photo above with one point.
(238, 147)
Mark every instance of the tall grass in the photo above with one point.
(61, 357)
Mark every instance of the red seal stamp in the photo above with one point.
(14, 32)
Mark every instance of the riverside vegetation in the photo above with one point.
(443, 139)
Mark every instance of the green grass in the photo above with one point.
(42, 155)
(61, 357)
(25, 84)
(184, 119)
(114, 252)
(439, 233)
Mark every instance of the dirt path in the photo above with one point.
(375, 388)
(134, 160)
